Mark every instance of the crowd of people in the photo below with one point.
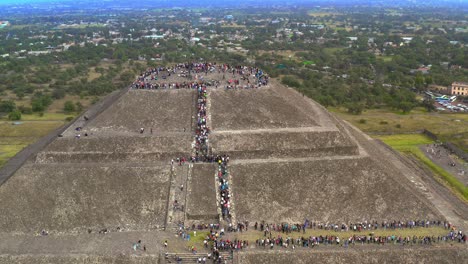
(202, 130)
(216, 241)
(207, 158)
(225, 196)
(314, 241)
(225, 245)
(343, 227)
(146, 80)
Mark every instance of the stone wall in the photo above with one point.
(283, 144)
(397, 255)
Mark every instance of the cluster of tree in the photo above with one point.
(344, 73)
(9, 107)
(70, 107)
(333, 91)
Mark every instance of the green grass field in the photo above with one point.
(14, 136)
(9, 151)
(405, 142)
(386, 58)
(46, 117)
(451, 127)
(409, 145)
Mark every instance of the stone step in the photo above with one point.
(192, 258)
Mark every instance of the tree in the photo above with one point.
(290, 81)
(355, 108)
(40, 102)
(419, 81)
(79, 107)
(428, 103)
(37, 106)
(406, 106)
(7, 106)
(58, 93)
(127, 77)
(428, 80)
(69, 107)
(15, 115)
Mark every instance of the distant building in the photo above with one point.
(205, 19)
(459, 88)
(439, 88)
(423, 70)
(407, 39)
(39, 52)
(154, 36)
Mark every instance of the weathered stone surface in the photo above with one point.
(117, 149)
(283, 144)
(201, 200)
(335, 190)
(78, 259)
(76, 198)
(290, 160)
(166, 111)
(258, 108)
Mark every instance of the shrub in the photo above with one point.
(398, 126)
(79, 107)
(69, 107)
(40, 102)
(355, 108)
(15, 115)
(383, 123)
(362, 121)
(58, 93)
(7, 106)
(290, 81)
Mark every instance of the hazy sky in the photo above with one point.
(8, 2)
